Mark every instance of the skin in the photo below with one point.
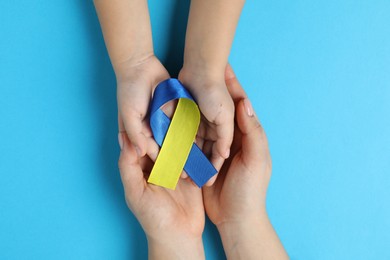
(210, 33)
(174, 220)
(127, 33)
(236, 202)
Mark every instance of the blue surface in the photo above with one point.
(318, 73)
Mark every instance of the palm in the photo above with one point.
(227, 199)
(217, 196)
(163, 211)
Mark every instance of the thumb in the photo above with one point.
(253, 136)
(134, 129)
(131, 172)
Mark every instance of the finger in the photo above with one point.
(233, 85)
(211, 181)
(224, 132)
(200, 136)
(152, 149)
(146, 130)
(183, 175)
(207, 148)
(199, 141)
(216, 160)
(169, 108)
(246, 119)
(224, 129)
(134, 130)
(253, 136)
(210, 192)
(224, 139)
(130, 170)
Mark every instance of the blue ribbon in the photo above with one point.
(198, 167)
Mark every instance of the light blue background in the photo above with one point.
(317, 72)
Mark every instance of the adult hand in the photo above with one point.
(173, 220)
(236, 202)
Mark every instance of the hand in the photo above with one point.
(209, 36)
(246, 172)
(173, 220)
(215, 132)
(136, 82)
(236, 202)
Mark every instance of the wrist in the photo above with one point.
(242, 239)
(198, 76)
(175, 248)
(204, 65)
(127, 66)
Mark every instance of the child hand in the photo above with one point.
(236, 202)
(173, 220)
(215, 133)
(136, 83)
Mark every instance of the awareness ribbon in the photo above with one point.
(176, 138)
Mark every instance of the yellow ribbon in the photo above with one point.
(177, 145)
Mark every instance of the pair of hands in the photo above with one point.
(174, 220)
(134, 92)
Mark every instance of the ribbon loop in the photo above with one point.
(176, 138)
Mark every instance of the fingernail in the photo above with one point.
(138, 151)
(120, 140)
(248, 107)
